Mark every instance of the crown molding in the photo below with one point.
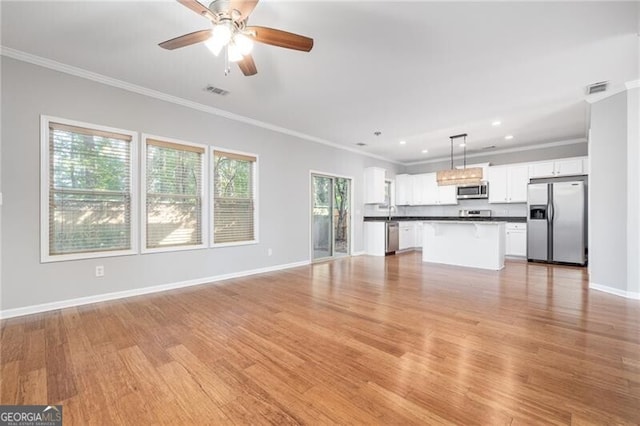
(502, 151)
(120, 84)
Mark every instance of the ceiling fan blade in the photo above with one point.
(245, 7)
(281, 38)
(198, 8)
(247, 66)
(186, 40)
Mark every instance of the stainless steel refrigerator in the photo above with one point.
(556, 224)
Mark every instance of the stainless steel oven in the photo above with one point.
(480, 190)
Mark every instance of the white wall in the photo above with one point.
(608, 191)
(633, 208)
(284, 200)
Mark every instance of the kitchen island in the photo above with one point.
(476, 244)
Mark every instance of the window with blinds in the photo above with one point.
(173, 197)
(89, 190)
(233, 197)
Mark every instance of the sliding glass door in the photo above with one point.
(342, 216)
(330, 216)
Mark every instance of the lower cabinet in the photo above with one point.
(407, 238)
(516, 239)
(374, 238)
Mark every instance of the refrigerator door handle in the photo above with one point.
(551, 212)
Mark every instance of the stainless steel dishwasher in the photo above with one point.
(392, 237)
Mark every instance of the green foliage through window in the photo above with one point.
(233, 197)
(89, 190)
(174, 194)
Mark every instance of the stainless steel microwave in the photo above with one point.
(480, 190)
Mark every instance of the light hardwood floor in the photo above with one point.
(359, 340)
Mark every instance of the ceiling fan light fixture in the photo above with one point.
(222, 32)
(214, 46)
(243, 43)
(234, 52)
(229, 33)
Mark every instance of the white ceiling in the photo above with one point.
(416, 71)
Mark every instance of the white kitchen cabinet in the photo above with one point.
(404, 190)
(497, 179)
(427, 192)
(447, 195)
(423, 191)
(516, 239)
(538, 170)
(569, 167)
(508, 184)
(374, 238)
(429, 189)
(564, 167)
(407, 236)
(374, 185)
(517, 184)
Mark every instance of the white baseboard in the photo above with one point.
(358, 253)
(51, 306)
(616, 291)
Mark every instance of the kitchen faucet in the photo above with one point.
(391, 208)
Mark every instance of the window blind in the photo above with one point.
(173, 194)
(89, 190)
(233, 197)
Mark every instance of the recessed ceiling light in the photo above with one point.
(496, 123)
(403, 142)
(508, 137)
(424, 151)
(462, 145)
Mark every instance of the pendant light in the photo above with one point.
(463, 176)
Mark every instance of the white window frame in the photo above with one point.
(45, 257)
(256, 215)
(143, 196)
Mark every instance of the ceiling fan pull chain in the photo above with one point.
(227, 68)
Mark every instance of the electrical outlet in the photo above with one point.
(269, 252)
(100, 271)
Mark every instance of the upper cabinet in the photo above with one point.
(374, 185)
(496, 177)
(447, 194)
(423, 190)
(404, 190)
(428, 193)
(566, 167)
(508, 184)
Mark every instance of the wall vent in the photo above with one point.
(597, 87)
(216, 90)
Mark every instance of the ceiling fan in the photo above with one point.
(231, 34)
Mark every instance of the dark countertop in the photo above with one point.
(520, 219)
